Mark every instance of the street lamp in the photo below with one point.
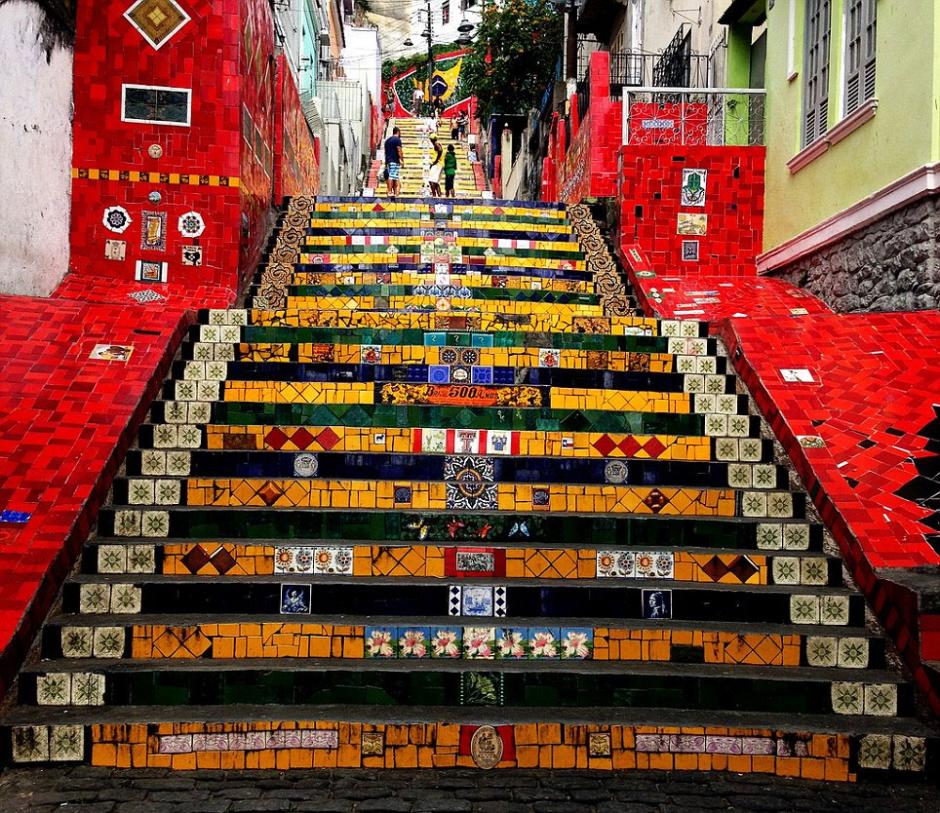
(465, 28)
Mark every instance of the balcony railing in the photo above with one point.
(639, 69)
(687, 116)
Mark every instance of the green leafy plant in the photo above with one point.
(513, 55)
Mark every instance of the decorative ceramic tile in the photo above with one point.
(853, 653)
(795, 536)
(66, 743)
(111, 352)
(848, 698)
(785, 569)
(381, 642)
(413, 642)
(599, 744)
(814, 571)
(373, 743)
(656, 604)
(821, 651)
(76, 642)
(769, 537)
(154, 523)
(141, 559)
(157, 21)
(615, 472)
(616, 564)
(479, 643)
(477, 600)
(512, 643)
(834, 610)
(112, 559)
(333, 560)
(295, 599)
(30, 743)
(87, 689)
(910, 753)
(125, 598)
(804, 609)
(739, 474)
(576, 642)
(881, 699)
(94, 598)
(543, 643)
(445, 643)
(54, 689)
(454, 599)
(874, 751)
(108, 642)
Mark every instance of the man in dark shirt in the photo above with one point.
(394, 159)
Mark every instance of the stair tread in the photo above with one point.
(473, 715)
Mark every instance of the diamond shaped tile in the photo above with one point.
(157, 20)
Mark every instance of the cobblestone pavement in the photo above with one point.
(91, 790)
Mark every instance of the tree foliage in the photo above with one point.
(513, 55)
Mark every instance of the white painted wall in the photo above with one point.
(35, 154)
(362, 59)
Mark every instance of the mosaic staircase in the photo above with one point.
(440, 498)
(418, 155)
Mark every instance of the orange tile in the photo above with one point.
(563, 756)
(813, 768)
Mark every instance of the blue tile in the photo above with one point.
(480, 339)
(438, 374)
(435, 339)
(481, 375)
(15, 517)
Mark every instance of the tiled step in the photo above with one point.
(185, 738)
(107, 638)
(408, 525)
(449, 682)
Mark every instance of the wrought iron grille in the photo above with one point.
(715, 117)
(673, 69)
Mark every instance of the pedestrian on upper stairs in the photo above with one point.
(463, 120)
(450, 170)
(417, 101)
(394, 161)
(437, 165)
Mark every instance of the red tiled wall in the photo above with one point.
(257, 76)
(589, 167)
(296, 169)
(202, 56)
(734, 206)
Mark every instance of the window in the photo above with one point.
(859, 53)
(445, 12)
(157, 105)
(816, 70)
(465, 4)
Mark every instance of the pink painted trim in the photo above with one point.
(851, 123)
(848, 125)
(920, 183)
(807, 155)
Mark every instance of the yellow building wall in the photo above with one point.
(903, 135)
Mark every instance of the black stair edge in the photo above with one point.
(539, 666)
(471, 715)
(431, 581)
(675, 625)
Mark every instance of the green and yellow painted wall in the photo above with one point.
(902, 136)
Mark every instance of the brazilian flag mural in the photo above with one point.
(446, 82)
